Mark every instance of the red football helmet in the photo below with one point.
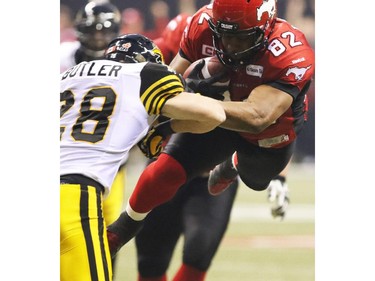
(250, 19)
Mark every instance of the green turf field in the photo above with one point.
(256, 246)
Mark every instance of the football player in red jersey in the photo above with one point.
(271, 66)
(192, 212)
(169, 41)
(192, 208)
(197, 43)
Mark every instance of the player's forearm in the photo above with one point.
(242, 117)
(194, 113)
(179, 64)
(190, 126)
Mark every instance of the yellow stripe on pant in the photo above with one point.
(84, 251)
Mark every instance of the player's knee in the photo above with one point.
(151, 268)
(255, 184)
(199, 251)
(171, 171)
(170, 176)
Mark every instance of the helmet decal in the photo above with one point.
(268, 6)
(159, 56)
(133, 48)
(125, 47)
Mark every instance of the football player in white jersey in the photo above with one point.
(96, 24)
(105, 108)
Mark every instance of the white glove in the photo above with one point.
(278, 194)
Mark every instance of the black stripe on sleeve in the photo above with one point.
(158, 84)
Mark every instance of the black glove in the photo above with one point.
(204, 86)
(151, 145)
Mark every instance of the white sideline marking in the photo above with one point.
(272, 241)
(300, 213)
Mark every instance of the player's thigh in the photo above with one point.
(258, 166)
(84, 251)
(205, 216)
(199, 153)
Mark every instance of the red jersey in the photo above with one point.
(288, 64)
(169, 41)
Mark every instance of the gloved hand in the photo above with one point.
(205, 86)
(151, 145)
(278, 194)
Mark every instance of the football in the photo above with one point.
(211, 67)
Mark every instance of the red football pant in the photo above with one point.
(157, 184)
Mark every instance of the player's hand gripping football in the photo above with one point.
(205, 86)
(278, 194)
(151, 145)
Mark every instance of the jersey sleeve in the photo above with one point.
(291, 61)
(169, 41)
(158, 84)
(196, 41)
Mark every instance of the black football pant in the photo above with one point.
(200, 217)
(202, 152)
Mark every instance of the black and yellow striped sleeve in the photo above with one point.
(158, 84)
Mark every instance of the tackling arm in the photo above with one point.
(193, 113)
(260, 110)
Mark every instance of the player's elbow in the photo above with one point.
(212, 119)
(254, 125)
(259, 125)
(261, 121)
(217, 115)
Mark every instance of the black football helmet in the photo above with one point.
(96, 25)
(133, 48)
